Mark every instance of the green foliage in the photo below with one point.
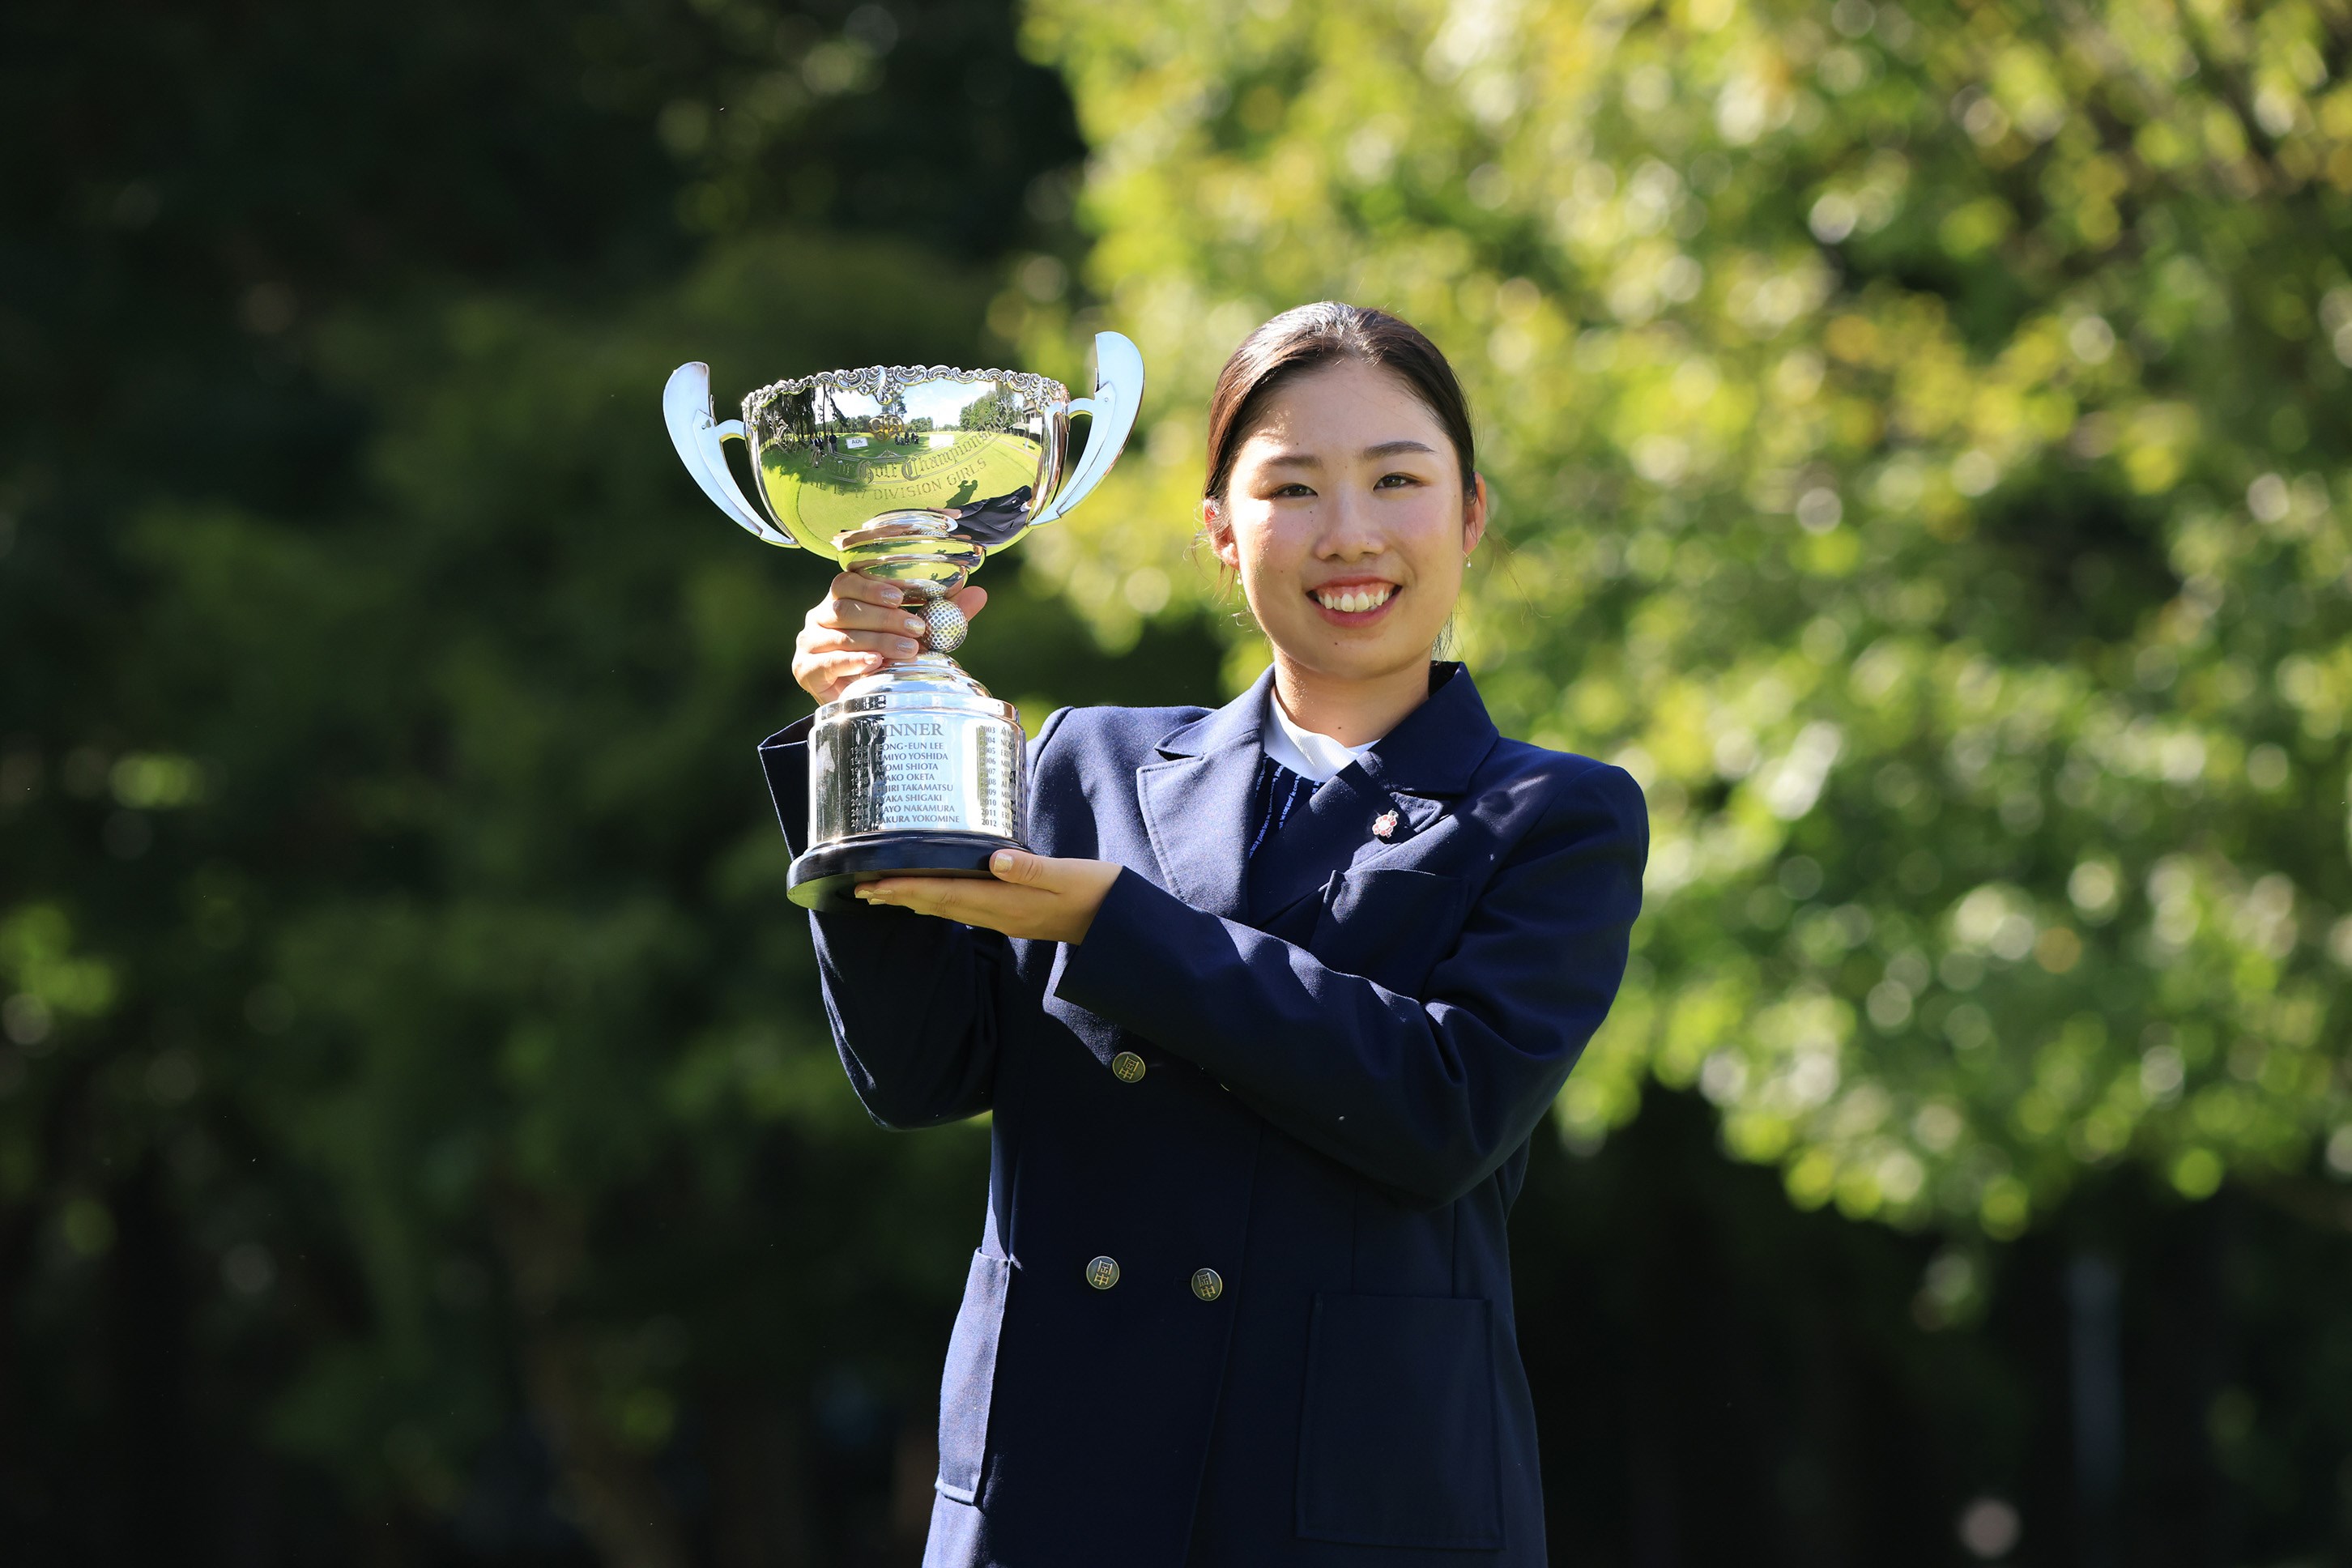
(1921, 448)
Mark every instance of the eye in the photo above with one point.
(1390, 481)
(1290, 491)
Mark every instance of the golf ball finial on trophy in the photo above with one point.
(912, 475)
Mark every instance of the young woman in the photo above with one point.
(1265, 1025)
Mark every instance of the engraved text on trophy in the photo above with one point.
(927, 772)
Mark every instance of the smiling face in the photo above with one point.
(1346, 520)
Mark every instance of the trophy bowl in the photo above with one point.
(911, 475)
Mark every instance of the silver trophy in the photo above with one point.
(912, 475)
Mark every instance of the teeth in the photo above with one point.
(1355, 601)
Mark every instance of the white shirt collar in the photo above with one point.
(1303, 751)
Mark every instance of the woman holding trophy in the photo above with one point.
(1265, 1016)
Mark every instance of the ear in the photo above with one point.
(1219, 532)
(1474, 515)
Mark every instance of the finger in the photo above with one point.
(1018, 867)
(916, 895)
(906, 890)
(841, 668)
(870, 590)
(822, 672)
(877, 895)
(952, 897)
(856, 614)
(969, 900)
(971, 600)
(887, 645)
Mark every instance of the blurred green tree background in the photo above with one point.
(1922, 444)
(1922, 456)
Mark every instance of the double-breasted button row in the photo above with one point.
(1102, 1273)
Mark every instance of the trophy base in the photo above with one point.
(823, 878)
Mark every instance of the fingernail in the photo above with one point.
(1001, 862)
(891, 595)
(901, 646)
(913, 626)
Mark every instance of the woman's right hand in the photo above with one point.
(857, 628)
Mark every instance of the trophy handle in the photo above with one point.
(1118, 389)
(701, 440)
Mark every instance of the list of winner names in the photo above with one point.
(912, 775)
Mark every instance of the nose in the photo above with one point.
(1349, 530)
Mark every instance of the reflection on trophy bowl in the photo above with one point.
(913, 476)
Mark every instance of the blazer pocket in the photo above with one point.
(1397, 1443)
(970, 1381)
(1389, 924)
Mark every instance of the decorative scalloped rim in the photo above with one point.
(1044, 388)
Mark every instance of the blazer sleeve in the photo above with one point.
(917, 1004)
(1427, 1096)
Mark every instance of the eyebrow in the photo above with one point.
(1385, 449)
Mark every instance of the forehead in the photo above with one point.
(1350, 403)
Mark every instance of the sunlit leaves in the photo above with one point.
(1919, 444)
(43, 977)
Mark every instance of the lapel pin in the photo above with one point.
(1384, 826)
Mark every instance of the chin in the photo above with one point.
(1362, 661)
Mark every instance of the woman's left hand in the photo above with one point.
(1032, 896)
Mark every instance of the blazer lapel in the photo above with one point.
(1196, 798)
(1427, 759)
(1196, 802)
(1438, 749)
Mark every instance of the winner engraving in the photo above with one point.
(904, 772)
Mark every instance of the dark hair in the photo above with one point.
(1312, 337)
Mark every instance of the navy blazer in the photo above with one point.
(1345, 1043)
